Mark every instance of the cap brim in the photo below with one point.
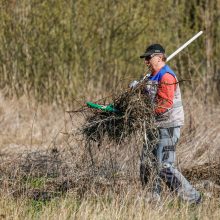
(146, 55)
(142, 56)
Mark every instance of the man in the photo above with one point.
(163, 87)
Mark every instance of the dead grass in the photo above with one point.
(107, 207)
(49, 172)
(26, 125)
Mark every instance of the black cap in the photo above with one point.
(154, 48)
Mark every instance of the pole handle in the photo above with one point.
(180, 49)
(184, 45)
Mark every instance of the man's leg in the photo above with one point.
(173, 178)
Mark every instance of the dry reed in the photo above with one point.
(135, 114)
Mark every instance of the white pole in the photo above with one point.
(135, 83)
(184, 45)
(175, 52)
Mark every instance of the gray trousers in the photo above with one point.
(158, 157)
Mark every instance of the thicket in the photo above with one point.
(58, 50)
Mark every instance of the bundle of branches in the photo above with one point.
(135, 110)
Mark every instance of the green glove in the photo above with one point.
(107, 108)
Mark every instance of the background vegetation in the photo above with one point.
(58, 50)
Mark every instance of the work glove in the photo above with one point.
(133, 84)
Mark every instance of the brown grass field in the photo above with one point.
(47, 171)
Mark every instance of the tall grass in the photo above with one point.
(38, 157)
(106, 207)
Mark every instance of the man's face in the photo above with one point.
(152, 62)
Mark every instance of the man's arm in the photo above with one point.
(165, 93)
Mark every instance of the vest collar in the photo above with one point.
(155, 73)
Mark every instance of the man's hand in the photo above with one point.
(133, 84)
